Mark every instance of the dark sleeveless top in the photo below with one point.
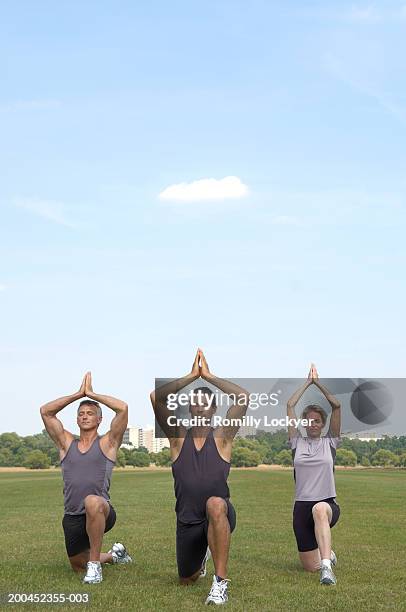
(198, 475)
(85, 474)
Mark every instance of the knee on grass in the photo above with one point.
(311, 566)
(78, 563)
(189, 580)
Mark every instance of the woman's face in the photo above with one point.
(316, 427)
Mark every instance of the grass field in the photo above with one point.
(265, 574)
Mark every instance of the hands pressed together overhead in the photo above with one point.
(86, 388)
(200, 366)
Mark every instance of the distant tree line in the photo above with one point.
(39, 451)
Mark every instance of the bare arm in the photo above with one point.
(159, 400)
(292, 401)
(237, 410)
(53, 425)
(335, 418)
(119, 423)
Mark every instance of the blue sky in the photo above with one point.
(105, 105)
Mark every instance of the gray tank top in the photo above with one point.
(85, 474)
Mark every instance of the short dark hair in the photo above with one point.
(207, 391)
(88, 402)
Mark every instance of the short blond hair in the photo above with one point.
(315, 408)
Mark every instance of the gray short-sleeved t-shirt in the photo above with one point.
(314, 463)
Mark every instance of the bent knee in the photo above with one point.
(190, 580)
(216, 507)
(94, 503)
(310, 560)
(320, 511)
(311, 567)
(78, 565)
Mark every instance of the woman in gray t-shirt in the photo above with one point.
(315, 510)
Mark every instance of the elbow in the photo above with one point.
(152, 397)
(43, 411)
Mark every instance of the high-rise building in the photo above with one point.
(134, 437)
(131, 438)
(160, 443)
(147, 439)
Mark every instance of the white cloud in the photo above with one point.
(227, 188)
(2, 287)
(47, 209)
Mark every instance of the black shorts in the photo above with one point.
(191, 543)
(303, 522)
(74, 527)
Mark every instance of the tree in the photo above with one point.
(269, 457)
(37, 460)
(121, 460)
(284, 457)
(253, 445)
(6, 457)
(346, 457)
(365, 462)
(163, 458)
(276, 441)
(142, 449)
(244, 457)
(402, 460)
(12, 441)
(384, 458)
(138, 459)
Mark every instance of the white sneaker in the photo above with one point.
(333, 558)
(218, 593)
(327, 576)
(93, 573)
(119, 553)
(203, 570)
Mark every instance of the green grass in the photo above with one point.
(265, 574)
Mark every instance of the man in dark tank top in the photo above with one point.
(87, 464)
(201, 457)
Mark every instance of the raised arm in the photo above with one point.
(119, 423)
(292, 401)
(335, 418)
(53, 425)
(159, 400)
(237, 410)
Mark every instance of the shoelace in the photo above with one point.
(93, 570)
(218, 588)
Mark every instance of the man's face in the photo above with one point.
(87, 418)
(202, 406)
(314, 430)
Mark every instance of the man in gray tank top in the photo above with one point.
(201, 457)
(87, 464)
